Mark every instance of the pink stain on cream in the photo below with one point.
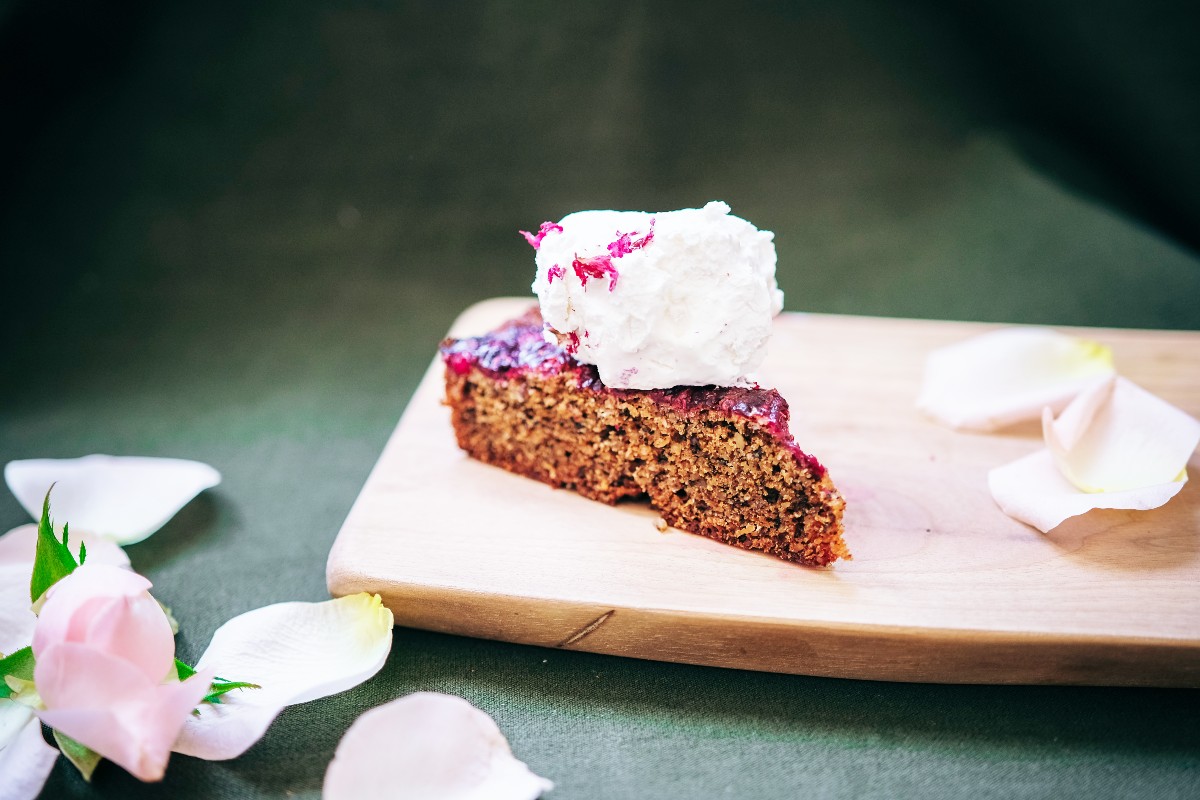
(598, 266)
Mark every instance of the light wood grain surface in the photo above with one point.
(943, 586)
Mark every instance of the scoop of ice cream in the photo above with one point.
(678, 298)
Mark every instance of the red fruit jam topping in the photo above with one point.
(520, 346)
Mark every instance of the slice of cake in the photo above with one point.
(718, 461)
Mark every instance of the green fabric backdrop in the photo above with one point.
(236, 232)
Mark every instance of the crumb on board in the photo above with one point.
(661, 524)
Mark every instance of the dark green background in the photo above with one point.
(236, 231)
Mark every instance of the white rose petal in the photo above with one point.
(1009, 375)
(1034, 491)
(1115, 446)
(13, 717)
(1117, 437)
(435, 746)
(25, 759)
(122, 498)
(296, 652)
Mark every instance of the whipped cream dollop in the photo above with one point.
(677, 298)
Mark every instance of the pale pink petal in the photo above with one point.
(1034, 491)
(73, 675)
(137, 630)
(25, 762)
(1118, 437)
(297, 652)
(160, 722)
(17, 619)
(225, 731)
(19, 546)
(1008, 375)
(122, 498)
(108, 705)
(436, 746)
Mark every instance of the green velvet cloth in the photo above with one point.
(235, 233)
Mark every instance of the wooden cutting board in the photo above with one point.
(943, 586)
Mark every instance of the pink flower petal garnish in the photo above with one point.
(535, 239)
(598, 267)
(625, 243)
(601, 266)
(436, 746)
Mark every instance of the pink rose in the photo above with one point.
(106, 671)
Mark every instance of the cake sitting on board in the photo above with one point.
(717, 461)
(631, 379)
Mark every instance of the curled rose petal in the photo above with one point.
(437, 746)
(123, 498)
(17, 549)
(106, 703)
(1034, 491)
(1114, 446)
(25, 758)
(1118, 437)
(1009, 375)
(296, 652)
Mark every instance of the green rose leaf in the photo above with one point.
(83, 757)
(183, 670)
(219, 686)
(19, 665)
(53, 560)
